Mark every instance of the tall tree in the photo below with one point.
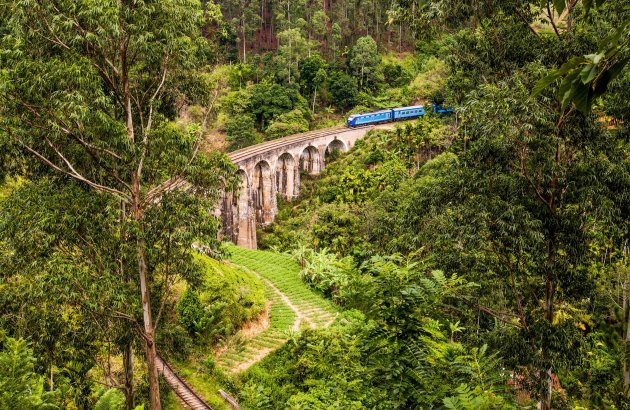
(85, 88)
(518, 213)
(364, 62)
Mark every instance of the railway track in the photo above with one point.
(246, 152)
(185, 393)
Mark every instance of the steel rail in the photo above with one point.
(265, 146)
(185, 393)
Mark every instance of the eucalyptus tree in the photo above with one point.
(85, 91)
(63, 285)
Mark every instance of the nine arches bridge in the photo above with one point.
(272, 169)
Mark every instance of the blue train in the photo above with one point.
(394, 114)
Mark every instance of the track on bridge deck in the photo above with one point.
(244, 153)
(185, 393)
(247, 152)
(267, 145)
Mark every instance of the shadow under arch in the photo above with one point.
(262, 193)
(287, 175)
(310, 160)
(334, 149)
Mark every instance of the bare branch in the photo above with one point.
(73, 173)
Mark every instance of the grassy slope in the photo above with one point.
(283, 273)
(241, 285)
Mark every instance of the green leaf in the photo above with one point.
(572, 63)
(601, 85)
(588, 73)
(567, 90)
(544, 83)
(582, 97)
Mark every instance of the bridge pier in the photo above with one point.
(270, 172)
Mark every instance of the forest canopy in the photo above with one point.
(475, 258)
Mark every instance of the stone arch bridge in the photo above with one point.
(272, 170)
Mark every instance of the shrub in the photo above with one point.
(112, 399)
(430, 80)
(292, 122)
(241, 131)
(228, 297)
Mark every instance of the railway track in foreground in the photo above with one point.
(185, 393)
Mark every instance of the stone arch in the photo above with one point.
(335, 145)
(287, 174)
(310, 160)
(262, 193)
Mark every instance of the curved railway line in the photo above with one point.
(185, 393)
(269, 145)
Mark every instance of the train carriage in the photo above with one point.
(408, 112)
(369, 118)
(395, 114)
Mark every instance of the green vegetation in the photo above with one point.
(333, 216)
(227, 298)
(21, 387)
(283, 272)
(477, 260)
(522, 195)
(351, 364)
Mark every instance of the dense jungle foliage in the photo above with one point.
(477, 260)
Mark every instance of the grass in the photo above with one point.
(279, 271)
(283, 273)
(244, 351)
(204, 383)
(243, 297)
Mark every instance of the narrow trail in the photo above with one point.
(299, 316)
(293, 307)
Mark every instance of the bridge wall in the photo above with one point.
(272, 170)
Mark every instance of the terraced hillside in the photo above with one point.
(293, 306)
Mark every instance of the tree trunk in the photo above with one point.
(127, 354)
(244, 45)
(149, 337)
(626, 340)
(545, 400)
(143, 272)
(550, 292)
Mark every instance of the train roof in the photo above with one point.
(413, 107)
(367, 113)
